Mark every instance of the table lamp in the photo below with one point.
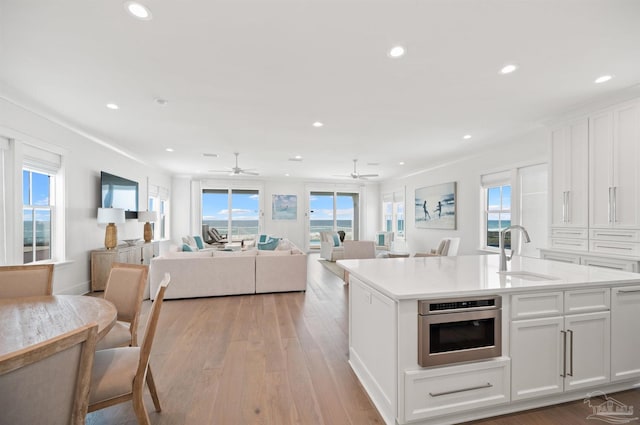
(110, 216)
(147, 217)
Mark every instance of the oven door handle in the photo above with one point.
(479, 387)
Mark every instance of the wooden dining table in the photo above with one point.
(26, 321)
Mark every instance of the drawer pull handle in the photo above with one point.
(615, 247)
(603, 266)
(487, 385)
(622, 291)
(614, 235)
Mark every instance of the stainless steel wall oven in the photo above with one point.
(459, 329)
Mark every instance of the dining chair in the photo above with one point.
(48, 383)
(119, 373)
(125, 289)
(26, 280)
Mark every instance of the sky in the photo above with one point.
(246, 207)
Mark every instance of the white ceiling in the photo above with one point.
(251, 76)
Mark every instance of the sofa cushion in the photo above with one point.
(248, 253)
(274, 253)
(284, 244)
(269, 245)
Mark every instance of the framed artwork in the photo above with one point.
(435, 207)
(284, 207)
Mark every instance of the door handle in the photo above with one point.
(487, 385)
(615, 201)
(570, 332)
(564, 354)
(609, 207)
(568, 209)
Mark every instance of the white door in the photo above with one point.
(588, 350)
(625, 338)
(626, 176)
(600, 169)
(536, 357)
(570, 174)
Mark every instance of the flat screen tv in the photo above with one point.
(118, 192)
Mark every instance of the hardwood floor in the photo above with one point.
(273, 359)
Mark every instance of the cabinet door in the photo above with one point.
(536, 357)
(625, 338)
(588, 350)
(569, 174)
(626, 155)
(600, 169)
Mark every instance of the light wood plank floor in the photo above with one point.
(273, 359)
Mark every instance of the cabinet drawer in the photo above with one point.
(571, 244)
(561, 257)
(614, 247)
(569, 233)
(445, 390)
(587, 300)
(544, 304)
(615, 235)
(611, 263)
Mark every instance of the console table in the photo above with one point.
(101, 260)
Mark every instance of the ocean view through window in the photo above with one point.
(498, 215)
(331, 212)
(36, 215)
(233, 212)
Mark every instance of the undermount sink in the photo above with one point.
(527, 275)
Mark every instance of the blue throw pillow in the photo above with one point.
(199, 243)
(381, 239)
(269, 245)
(336, 240)
(263, 238)
(186, 248)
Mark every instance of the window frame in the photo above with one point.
(50, 208)
(394, 201)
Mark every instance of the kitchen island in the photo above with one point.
(565, 330)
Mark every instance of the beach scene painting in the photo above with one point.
(435, 207)
(285, 207)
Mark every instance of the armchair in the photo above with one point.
(384, 240)
(331, 249)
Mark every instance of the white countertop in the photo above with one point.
(413, 278)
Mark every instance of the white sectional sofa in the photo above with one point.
(208, 274)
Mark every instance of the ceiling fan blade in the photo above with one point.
(367, 175)
(249, 173)
(219, 171)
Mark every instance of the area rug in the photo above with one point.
(333, 268)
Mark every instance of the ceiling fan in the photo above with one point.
(355, 175)
(236, 171)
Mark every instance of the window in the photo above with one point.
(393, 213)
(37, 212)
(234, 212)
(333, 212)
(497, 209)
(42, 218)
(159, 202)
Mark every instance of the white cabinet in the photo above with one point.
(614, 178)
(443, 390)
(605, 260)
(625, 338)
(569, 174)
(560, 353)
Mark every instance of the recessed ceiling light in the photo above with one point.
(211, 155)
(298, 157)
(603, 79)
(137, 10)
(286, 175)
(112, 106)
(397, 51)
(401, 163)
(508, 69)
(318, 124)
(466, 137)
(160, 101)
(169, 149)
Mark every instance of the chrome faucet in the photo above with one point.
(503, 256)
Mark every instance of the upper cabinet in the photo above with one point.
(614, 178)
(570, 174)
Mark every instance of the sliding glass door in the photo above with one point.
(233, 212)
(331, 212)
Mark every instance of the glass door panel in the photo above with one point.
(346, 214)
(321, 217)
(245, 214)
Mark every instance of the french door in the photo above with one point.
(332, 212)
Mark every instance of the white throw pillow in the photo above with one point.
(284, 245)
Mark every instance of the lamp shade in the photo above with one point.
(110, 215)
(147, 216)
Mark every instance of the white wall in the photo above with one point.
(528, 149)
(83, 160)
